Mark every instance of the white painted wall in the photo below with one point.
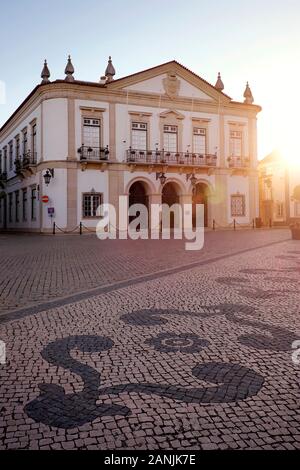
(57, 192)
(238, 184)
(29, 224)
(88, 180)
(155, 85)
(55, 129)
(17, 130)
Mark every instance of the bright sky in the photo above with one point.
(257, 40)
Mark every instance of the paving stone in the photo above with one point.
(200, 358)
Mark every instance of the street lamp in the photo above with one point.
(48, 175)
(162, 177)
(192, 178)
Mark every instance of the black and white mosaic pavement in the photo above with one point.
(198, 359)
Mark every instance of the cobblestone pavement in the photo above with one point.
(200, 358)
(37, 269)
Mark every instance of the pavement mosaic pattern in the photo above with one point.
(198, 359)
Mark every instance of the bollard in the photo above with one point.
(270, 224)
(80, 228)
(214, 224)
(53, 228)
(234, 224)
(253, 224)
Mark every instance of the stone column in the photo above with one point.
(221, 139)
(218, 202)
(115, 188)
(72, 183)
(154, 198)
(112, 132)
(253, 196)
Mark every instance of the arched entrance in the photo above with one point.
(200, 196)
(138, 195)
(170, 196)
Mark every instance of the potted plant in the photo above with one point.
(295, 230)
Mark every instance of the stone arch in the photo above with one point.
(179, 185)
(148, 184)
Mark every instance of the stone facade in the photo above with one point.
(120, 137)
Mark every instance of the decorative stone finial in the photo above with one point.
(69, 70)
(219, 85)
(110, 71)
(248, 95)
(45, 75)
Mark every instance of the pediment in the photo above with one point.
(172, 113)
(171, 80)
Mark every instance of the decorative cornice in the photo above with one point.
(93, 91)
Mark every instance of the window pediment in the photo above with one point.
(172, 114)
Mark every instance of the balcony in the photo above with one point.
(25, 162)
(93, 154)
(170, 158)
(238, 162)
(3, 179)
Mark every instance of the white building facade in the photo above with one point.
(163, 135)
(279, 190)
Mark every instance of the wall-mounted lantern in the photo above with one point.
(48, 175)
(162, 177)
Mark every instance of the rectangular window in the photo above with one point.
(25, 142)
(17, 205)
(90, 204)
(91, 133)
(10, 207)
(199, 140)
(17, 147)
(238, 206)
(11, 155)
(33, 146)
(235, 143)
(139, 136)
(5, 160)
(24, 204)
(279, 209)
(33, 203)
(170, 138)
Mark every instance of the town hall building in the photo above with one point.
(162, 135)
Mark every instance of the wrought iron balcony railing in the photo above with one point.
(170, 158)
(238, 162)
(93, 153)
(3, 176)
(25, 161)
